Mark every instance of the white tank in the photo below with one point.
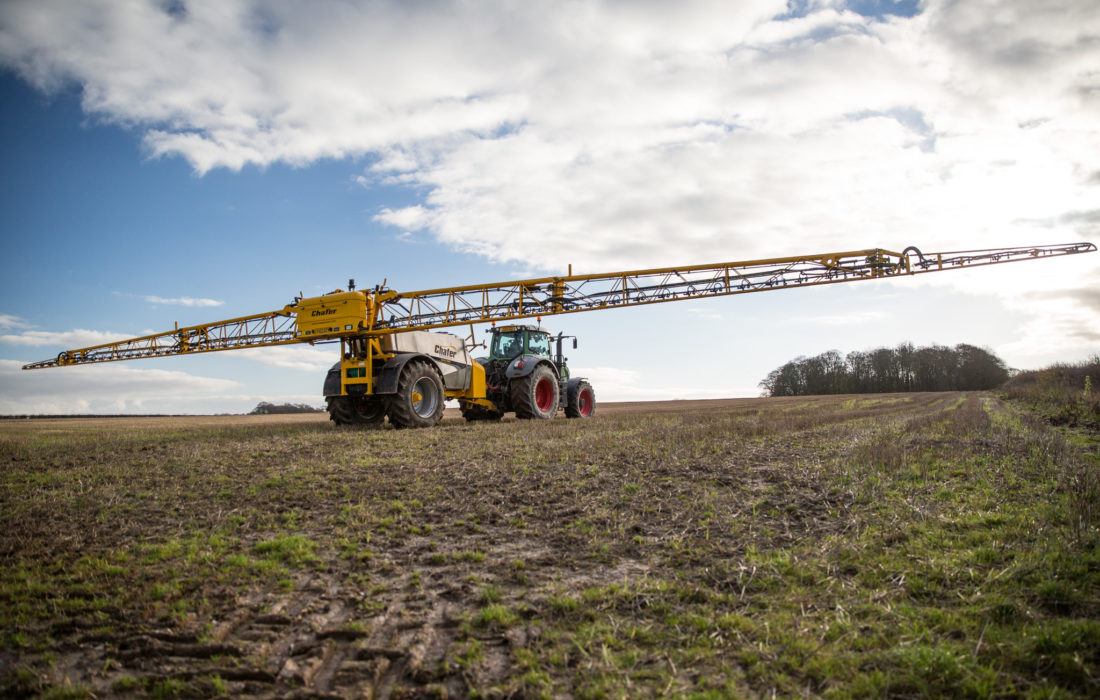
(446, 349)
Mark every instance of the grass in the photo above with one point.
(902, 545)
(1065, 394)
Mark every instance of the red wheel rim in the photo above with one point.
(584, 403)
(544, 395)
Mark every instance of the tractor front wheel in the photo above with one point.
(536, 395)
(418, 402)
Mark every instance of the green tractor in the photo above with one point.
(522, 375)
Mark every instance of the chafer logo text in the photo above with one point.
(322, 312)
(448, 352)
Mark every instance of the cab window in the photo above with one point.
(539, 344)
(507, 344)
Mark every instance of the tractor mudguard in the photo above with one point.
(332, 381)
(572, 383)
(526, 364)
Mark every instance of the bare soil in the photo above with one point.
(741, 547)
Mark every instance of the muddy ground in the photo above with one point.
(808, 546)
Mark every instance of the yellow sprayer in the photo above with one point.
(396, 362)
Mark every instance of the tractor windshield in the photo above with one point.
(507, 344)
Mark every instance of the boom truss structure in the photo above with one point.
(258, 330)
(546, 296)
(388, 312)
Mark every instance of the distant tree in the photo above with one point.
(264, 408)
(978, 368)
(933, 368)
(814, 378)
(786, 380)
(905, 353)
(904, 368)
(884, 369)
(859, 372)
(834, 372)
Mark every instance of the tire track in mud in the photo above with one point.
(320, 640)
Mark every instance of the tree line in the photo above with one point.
(904, 368)
(264, 408)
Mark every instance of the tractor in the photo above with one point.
(523, 376)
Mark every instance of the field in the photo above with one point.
(890, 546)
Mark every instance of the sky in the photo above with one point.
(188, 161)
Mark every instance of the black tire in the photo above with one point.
(479, 413)
(349, 410)
(418, 402)
(536, 395)
(580, 401)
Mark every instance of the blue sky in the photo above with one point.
(214, 160)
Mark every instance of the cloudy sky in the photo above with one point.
(192, 160)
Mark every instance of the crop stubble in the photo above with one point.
(876, 545)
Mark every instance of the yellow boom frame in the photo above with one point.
(360, 319)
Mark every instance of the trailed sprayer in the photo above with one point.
(397, 362)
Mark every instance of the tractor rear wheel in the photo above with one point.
(580, 402)
(536, 395)
(418, 402)
(349, 410)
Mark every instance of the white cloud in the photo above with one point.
(854, 318)
(1060, 320)
(9, 321)
(619, 384)
(76, 338)
(108, 388)
(297, 357)
(183, 301)
(1056, 302)
(703, 314)
(619, 134)
(408, 218)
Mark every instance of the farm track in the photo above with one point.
(656, 549)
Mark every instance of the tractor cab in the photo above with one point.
(510, 342)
